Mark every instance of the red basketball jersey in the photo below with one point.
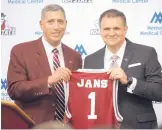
(92, 101)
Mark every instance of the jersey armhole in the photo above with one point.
(67, 112)
(115, 101)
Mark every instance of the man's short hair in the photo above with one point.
(113, 13)
(52, 7)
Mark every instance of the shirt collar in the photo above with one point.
(49, 48)
(120, 53)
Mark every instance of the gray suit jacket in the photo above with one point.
(136, 109)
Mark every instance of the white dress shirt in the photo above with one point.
(48, 49)
(120, 54)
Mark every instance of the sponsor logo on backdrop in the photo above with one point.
(25, 1)
(39, 33)
(130, 1)
(6, 28)
(77, 1)
(3, 84)
(4, 95)
(81, 50)
(96, 29)
(157, 18)
(155, 25)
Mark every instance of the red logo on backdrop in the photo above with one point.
(6, 29)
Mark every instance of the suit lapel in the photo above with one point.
(127, 55)
(100, 58)
(42, 58)
(67, 60)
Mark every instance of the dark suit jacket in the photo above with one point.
(28, 72)
(136, 109)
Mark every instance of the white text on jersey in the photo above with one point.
(96, 83)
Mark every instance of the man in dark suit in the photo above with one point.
(135, 66)
(35, 69)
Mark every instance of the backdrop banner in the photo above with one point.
(20, 23)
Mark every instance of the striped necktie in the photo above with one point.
(114, 63)
(60, 95)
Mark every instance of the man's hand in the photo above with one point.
(118, 74)
(59, 74)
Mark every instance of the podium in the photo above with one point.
(13, 117)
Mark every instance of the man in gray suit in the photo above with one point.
(135, 66)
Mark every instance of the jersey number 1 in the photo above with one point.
(92, 115)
